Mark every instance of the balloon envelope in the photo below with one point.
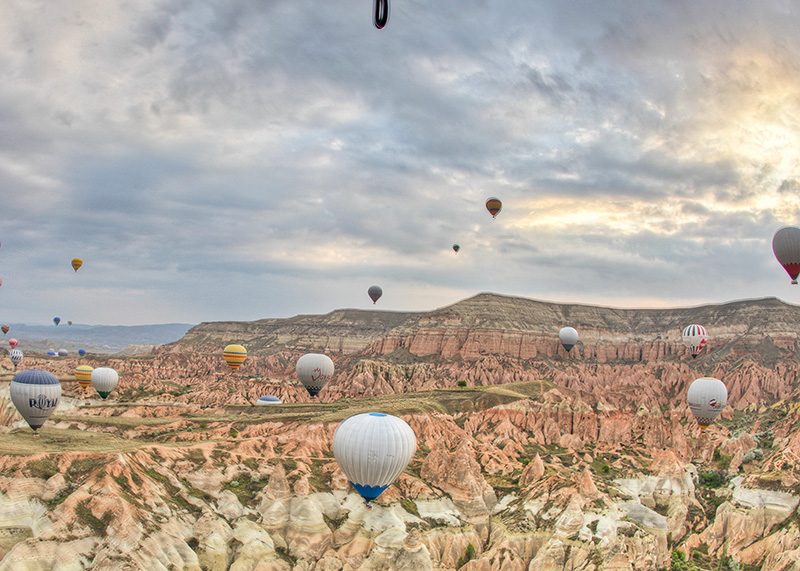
(493, 205)
(35, 393)
(695, 337)
(63, 352)
(373, 449)
(568, 337)
(81, 352)
(268, 399)
(56, 320)
(83, 374)
(16, 357)
(786, 247)
(315, 371)
(456, 248)
(707, 397)
(234, 355)
(104, 380)
(375, 293)
(5, 329)
(13, 342)
(77, 263)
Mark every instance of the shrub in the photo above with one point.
(462, 383)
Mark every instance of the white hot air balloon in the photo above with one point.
(314, 370)
(786, 247)
(35, 393)
(373, 449)
(16, 356)
(268, 399)
(695, 338)
(707, 397)
(568, 337)
(104, 380)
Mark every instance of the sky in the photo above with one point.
(215, 160)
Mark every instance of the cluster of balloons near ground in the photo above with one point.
(36, 393)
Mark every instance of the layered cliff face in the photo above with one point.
(545, 460)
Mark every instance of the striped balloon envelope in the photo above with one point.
(83, 373)
(695, 338)
(786, 247)
(234, 356)
(493, 205)
(35, 393)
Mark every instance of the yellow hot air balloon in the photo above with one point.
(76, 263)
(493, 205)
(83, 374)
(234, 356)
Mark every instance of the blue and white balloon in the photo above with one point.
(373, 449)
(35, 393)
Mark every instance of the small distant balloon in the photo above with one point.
(1, 282)
(234, 355)
(52, 353)
(268, 399)
(568, 337)
(63, 352)
(13, 342)
(456, 248)
(69, 322)
(5, 329)
(786, 247)
(76, 263)
(16, 357)
(375, 293)
(81, 352)
(380, 13)
(56, 320)
(493, 205)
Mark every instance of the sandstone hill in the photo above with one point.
(544, 460)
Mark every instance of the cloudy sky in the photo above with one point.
(216, 160)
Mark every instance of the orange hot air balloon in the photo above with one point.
(76, 263)
(5, 329)
(493, 205)
(234, 356)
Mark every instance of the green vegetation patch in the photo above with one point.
(44, 468)
(83, 466)
(87, 518)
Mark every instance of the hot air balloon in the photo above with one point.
(52, 353)
(375, 293)
(83, 374)
(81, 352)
(77, 263)
(456, 248)
(104, 380)
(380, 13)
(786, 247)
(5, 329)
(493, 205)
(268, 399)
(707, 397)
(695, 338)
(373, 449)
(35, 393)
(16, 357)
(69, 322)
(1, 282)
(568, 337)
(56, 320)
(62, 353)
(234, 355)
(314, 371)
(13, 342)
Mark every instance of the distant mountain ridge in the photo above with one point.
(93, 338)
